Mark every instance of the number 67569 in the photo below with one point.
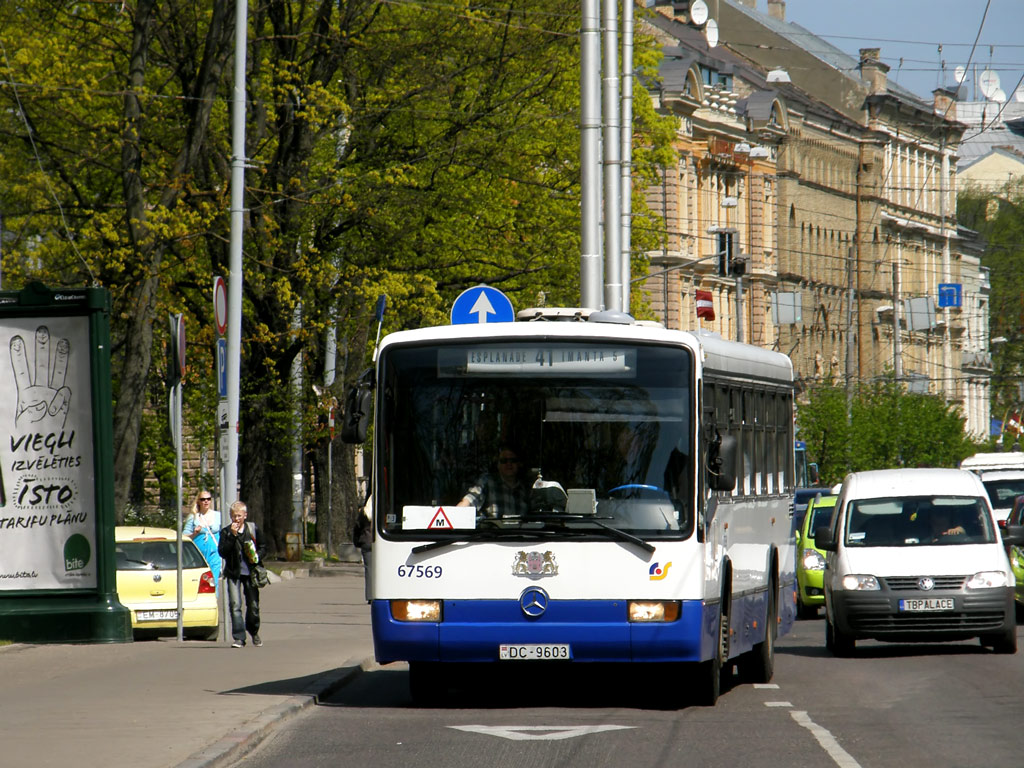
(419, 571)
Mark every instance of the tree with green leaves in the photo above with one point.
(998, 217)
(396, 149)
(881, 426)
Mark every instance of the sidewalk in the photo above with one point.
(189, 705)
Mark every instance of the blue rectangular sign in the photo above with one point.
(222, 368)
(950, 294)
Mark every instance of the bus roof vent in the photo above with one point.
(611, 316)
(550, 314)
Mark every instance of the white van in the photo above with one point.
(915, 555)
(1003, 476)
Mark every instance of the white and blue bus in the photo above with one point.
(658, 528)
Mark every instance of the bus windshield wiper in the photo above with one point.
(496, 533)
(615, 532)
(618, 533)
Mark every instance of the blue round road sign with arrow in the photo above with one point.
(482, 304)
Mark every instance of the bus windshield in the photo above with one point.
(540, 436)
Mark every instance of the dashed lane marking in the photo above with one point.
(828, 742)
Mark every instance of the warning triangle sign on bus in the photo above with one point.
(440, 520)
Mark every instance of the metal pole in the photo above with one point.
(230, 490)
(897, 341)
(176, 394)
(297, 443)
(590, 135)
(330, 367)
(739, 308)
(612, 178)
(626, 190)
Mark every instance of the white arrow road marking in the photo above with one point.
(828, 742)
(482, 308)
(538, 732)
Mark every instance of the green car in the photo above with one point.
(810, 561)
(1016, 517)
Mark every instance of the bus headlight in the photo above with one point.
(653, 610)
(860, 581)
(987, 580)
(416, 610)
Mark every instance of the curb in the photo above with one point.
(230, 749)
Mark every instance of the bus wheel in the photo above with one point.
(708, 682)
(758, 665)
(426, 683)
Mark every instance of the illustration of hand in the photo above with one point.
(43, 400)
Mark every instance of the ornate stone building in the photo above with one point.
(857, 267)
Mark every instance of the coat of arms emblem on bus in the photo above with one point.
(534, 564)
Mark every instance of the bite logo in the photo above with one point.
(77, 553)
(657, 572)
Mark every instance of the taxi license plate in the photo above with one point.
(927, 604)
(534, 652)
(156, 615)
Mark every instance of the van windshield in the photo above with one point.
(918, 521)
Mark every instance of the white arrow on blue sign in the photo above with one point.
(482, 304)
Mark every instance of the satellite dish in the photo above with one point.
(998, 95)
(698, 12)
(1018, 95)
(711, 33)
(988, 82)
(959, 73)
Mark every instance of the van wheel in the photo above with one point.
(1005, 642)
(841, 644)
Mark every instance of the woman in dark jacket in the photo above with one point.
(242, 544)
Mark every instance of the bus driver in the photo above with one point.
(501, 494)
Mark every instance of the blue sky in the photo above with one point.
(913, 29)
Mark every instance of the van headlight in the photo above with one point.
(988, 580)
(812, 560)
(860, 581)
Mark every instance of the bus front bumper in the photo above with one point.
(593, 630)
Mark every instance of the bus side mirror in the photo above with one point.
(812, 473)
(358, 401)
(722, 464)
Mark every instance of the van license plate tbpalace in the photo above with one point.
(919, 605)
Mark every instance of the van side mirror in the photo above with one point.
(823, 539)
(1013, 535)
(722, 463)
(358, 402)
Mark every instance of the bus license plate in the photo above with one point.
(927, 604)
(534, 652)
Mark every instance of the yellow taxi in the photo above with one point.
(147, 581)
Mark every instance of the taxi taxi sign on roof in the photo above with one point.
(482, 304)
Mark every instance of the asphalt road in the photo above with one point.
(902, 706)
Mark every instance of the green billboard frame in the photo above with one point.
(67, 612)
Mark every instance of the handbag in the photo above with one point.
(258, 576)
